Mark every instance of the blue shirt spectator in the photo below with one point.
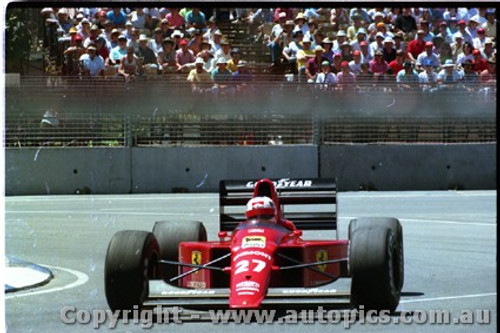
(117, 17)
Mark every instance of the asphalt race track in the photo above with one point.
(449, 239)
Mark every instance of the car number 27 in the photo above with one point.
(244, 265)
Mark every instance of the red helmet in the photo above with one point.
(260, 206)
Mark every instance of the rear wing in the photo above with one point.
(311, 204)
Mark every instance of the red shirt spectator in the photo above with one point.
(479, 62)
(397, 64)
(416, 46)
(378, 65)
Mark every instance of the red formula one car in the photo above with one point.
(259, 261)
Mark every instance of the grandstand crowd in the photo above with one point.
(330, 47)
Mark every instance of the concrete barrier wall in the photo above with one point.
(199, 169)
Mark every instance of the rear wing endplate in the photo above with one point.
(311, 204)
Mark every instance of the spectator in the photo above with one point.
(337, 62)
(166, 57)
(361, 12)
(232, 63)
(345, 78)
(480, 39)
(312, 28)
(63, 20)
(108, 32)
(134, 39)
(453, 28)
(360, 37)
(478, 61)
(130, 65)
(341, 38)
(457, 47)
(94, 33)
(389, 50)
(300, 25)
(398, 41)
(327, 45)
(129, 30)
(242, 76)
(206, 56)
(469, 75)
(467, 53)
(303, 56)
(113, 40)
(215, 42)
(445, 53)
(72, 55)
(140, 20)
(378, 66)
(101, 19)
(397, 64)
(489, 76)
(416, 46)
(325, 79)
(117, 17)
(92, 64)
(221, 76)
(184, 56)
(147, 56)
(407, 77)
(339, 18)
(313, 65)
(427, 55)
(176, 36)
(102, 49)
(490, 26)
(84, 29)
(156, 43)
(365, 52)
(428, 35)
(196, 41)
(290, 50)
(353, 30)
(117, 53)
(224, 51)
(174, 19)
(196, 18)
(199, 77)
(378, 44)
(428, 77)
(346, 51)
(464, 32)
(472, 28)
(211, 29)
(406, 22)
(480, 17)
(276, 40)
(488, 49)
(444, 32)
(448, 76)
(355, 64)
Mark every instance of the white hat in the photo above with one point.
(449, 63)
(378, 14)
(177, 33)
(341, 33)
(241, 63)
(199, 61)
(221, 60)
(282, 15)
(143, 37)
(388, 40)
(306, 39)
(217, 32)
(379, 34)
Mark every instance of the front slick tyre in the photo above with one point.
(131, 260)
(374, 265)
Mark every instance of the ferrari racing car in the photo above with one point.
(260, 257)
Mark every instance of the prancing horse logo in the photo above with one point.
(322, 255)
(196, 257)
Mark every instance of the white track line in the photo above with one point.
(81, 278)
(445, 298)
(493, 224)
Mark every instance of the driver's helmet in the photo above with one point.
(260, 207)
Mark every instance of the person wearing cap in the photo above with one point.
(428, 34)
(359, 11)
(427, 55)
(312, 29)
(91, 64)
(290, 51)
(313, 65)
(130, 65)
(346, 51)
(102, 48)
(428, 77)
(198, 76)
(94, 33)
(166, 57)
(232, 62)
(469, 75)
(242, 75)
(360, 37)
(64, 21)
(416, 46)
(118, 52)
(195, 18)
(72, 54)
(479, 41)
(117, 17)
(490, 26)
(174, 19)
(397, 64)
(345, 78)
(407, 77)
(480, 17)
(448, 76)
(337, 43)
(378, 43)
(223, 52)
(139, 18)
(84, 28)
(462, 29)
(488, 49)
(354, 28)
(276, 40)
(337, 60)
(325, 78)
(221, 75)
(366, 56)
(355, 63)
(303, 56)
(156, 42)
(327, 45)
(196, 41)
(215, 41)
(389, 50)
(457, 46)
(472, 27)
(479, 62)
(405, 21)
(489, 76)
(184, 56)
(147, 56)
(444, 32)
(398, 41)
(299, 22)
(378, 66)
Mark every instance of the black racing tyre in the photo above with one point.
(170, 234)
(131, 260)
(374, 261)
(388, 222)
